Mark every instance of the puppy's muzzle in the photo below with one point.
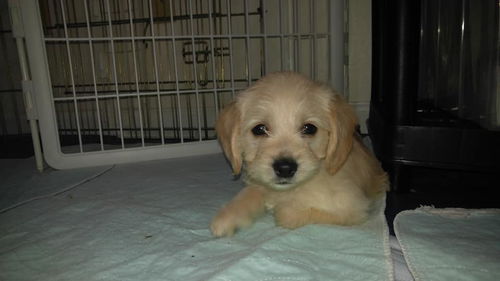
(285, 167)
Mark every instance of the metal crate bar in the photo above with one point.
(176, 70)
(115, 75)
(92, 61)
(157, 79)
(77, 115)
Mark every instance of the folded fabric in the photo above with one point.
(401, 271)
(450, 244)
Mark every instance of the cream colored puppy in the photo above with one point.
(294, 139)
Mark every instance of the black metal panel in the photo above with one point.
(407, 128)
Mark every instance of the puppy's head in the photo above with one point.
(284, 128)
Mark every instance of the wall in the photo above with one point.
(359, 57)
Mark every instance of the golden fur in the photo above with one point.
(336, 178)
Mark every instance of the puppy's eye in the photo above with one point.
(260, 130)
(309, 129)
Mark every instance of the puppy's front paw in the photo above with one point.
(222, 225)
(226, 223)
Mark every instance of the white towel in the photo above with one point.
(149, 221)
(450, 244)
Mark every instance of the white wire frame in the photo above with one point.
(134, 99)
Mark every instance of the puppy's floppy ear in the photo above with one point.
(343, 122)
(228, 130)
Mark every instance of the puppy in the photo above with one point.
(294, 139)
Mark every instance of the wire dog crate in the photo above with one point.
(125, 80)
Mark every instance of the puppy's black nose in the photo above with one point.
(285, 167)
